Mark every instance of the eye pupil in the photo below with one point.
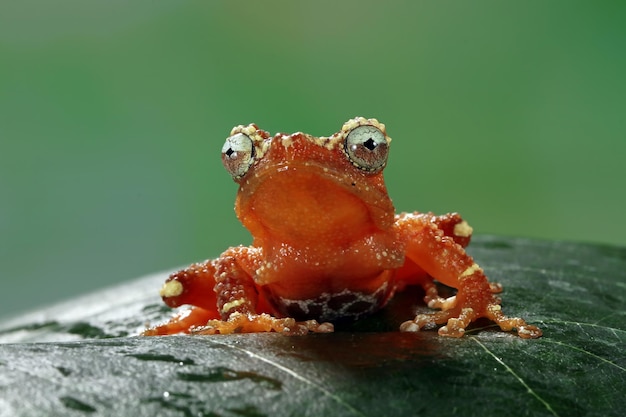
(370, 144)
(230, 152)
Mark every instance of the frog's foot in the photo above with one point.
(435, 301)
(259, 323)
(182, 322)
(524, 330)
(457, 319)
(455, 322)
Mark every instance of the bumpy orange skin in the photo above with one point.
(328, 245)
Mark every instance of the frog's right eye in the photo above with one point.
(238, 155)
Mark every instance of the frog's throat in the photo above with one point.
(290, 195)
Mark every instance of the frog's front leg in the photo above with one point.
(238, 301)
(446, 261)
(193, 285)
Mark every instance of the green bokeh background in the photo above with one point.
(113, 114)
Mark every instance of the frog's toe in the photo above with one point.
(455, 327)
(529, 332)
(454, 321)
(426, 321)
(315, 327)
(524, 330)
(409, 326)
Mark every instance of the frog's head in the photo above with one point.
(300, 187)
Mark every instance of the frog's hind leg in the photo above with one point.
(195, 286)
(453, 226)
(441, 257)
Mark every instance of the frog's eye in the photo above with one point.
(238, 154)
(367, 148)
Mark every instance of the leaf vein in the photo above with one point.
(556, 342)
(516, 376)
(577, 323)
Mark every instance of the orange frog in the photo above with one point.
(328, 245)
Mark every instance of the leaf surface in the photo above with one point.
(82, 358)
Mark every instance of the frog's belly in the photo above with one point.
(346, 304)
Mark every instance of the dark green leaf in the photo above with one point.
(576, 293)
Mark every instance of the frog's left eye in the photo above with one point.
(367, 148)
(238, 155)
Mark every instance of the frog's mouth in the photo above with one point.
(299, 201)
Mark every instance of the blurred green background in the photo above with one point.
(113, 114)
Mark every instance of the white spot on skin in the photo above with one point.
(471, 270)
(287, 141)
(463, 229)
(233, 304)
(495, 308)
(260, 144)
(338, 139)
(171, 289)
